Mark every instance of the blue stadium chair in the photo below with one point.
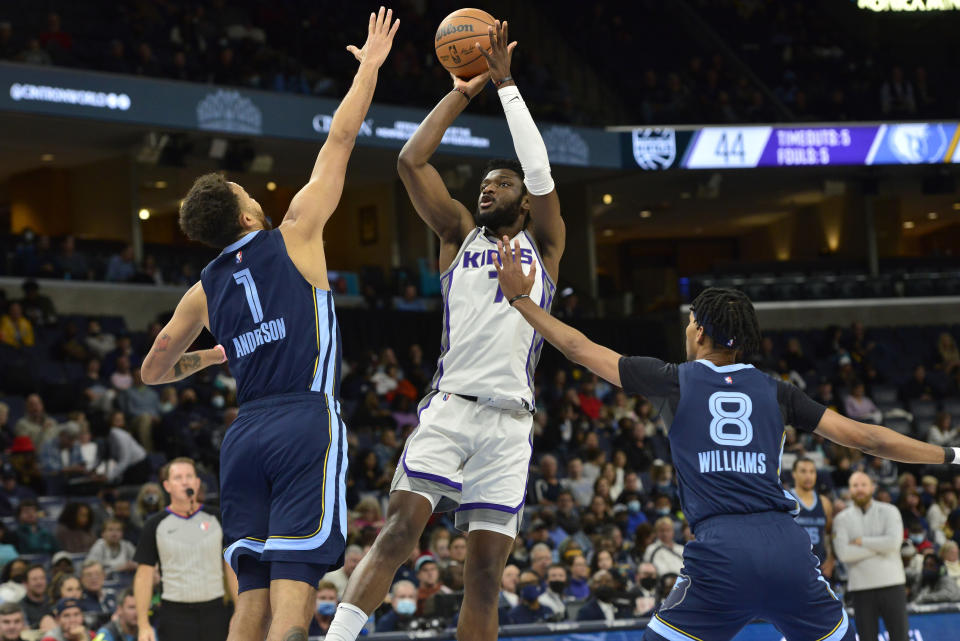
(884, 394)
(41, 559)
(113, 325)
(15, 403)
(901, 425)
(952, 407)
(888, 406)
(923, 411)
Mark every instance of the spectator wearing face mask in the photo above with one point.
(403, 607)
(936, 586)
(600, 607)
(326, 608)
(530, 610)
(553, 596)
(645, 593)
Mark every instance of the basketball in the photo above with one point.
(456, 40)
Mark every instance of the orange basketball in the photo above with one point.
(456, 40)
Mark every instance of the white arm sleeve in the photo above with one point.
(527, 142)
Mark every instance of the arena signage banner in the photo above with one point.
(170, 104)
(908, 6)
(749, 147)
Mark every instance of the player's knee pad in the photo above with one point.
(294, 571)
(252, 574)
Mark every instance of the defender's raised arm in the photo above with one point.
(315, 203)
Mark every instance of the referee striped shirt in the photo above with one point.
(188, 551)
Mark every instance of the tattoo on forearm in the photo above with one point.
(295, 634)
(187, 364)
(163, 342)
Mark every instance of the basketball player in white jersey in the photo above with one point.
(472, 448)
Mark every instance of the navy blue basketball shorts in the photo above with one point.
(746, 567)
(283, 466)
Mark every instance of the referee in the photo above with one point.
(185, 540)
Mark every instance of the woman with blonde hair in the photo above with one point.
(369, 514)
(948, 356)
(950, 555)
(149, 501)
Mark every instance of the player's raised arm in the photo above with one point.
(314, 204)
(448, 218)
(883, 442)
(546, 225)
(516, 286)
(166, 362)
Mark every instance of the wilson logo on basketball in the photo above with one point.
(446, 30)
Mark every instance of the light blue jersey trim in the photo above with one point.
(841, 629)
(324, 364)
(667, 632)
(240, 243)
(724, 369)
(254, 546)
(329, 498)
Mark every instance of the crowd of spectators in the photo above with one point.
(603, 530)
(802, 54)
(826, 63)
(39, 256)
(293, 47)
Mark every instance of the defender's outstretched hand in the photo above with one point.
(379, 38)
(500, 52)
(513, 282)
(473, 86)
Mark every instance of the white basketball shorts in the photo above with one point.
(470, 457)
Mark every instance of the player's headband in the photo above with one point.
(719, 337)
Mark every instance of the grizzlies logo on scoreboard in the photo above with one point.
(654, 148)
(915, 143)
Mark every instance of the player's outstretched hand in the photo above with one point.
(473, 86)
(379, 38)
(500, 52)
(513, 282)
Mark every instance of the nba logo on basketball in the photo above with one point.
(240, 256)
(728, 380)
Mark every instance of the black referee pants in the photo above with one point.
(207, 621)
(889, 603)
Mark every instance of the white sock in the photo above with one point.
(347, 623)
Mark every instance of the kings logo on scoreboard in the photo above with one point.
(655, 148)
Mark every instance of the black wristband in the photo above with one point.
(462, 93)
(499, 83)
(518, 297)
(950, 456)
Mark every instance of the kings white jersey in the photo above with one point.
(488, 350)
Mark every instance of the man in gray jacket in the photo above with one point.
(867, 537)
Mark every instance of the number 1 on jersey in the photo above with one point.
(245, 278)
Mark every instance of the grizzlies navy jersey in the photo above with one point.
(280, 332)
(813, 519)
(727, 432)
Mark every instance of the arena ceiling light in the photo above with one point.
(933, 215)
(607, 199)
(271, 186)
(144, 214)
(46, 157)
(908, 224)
